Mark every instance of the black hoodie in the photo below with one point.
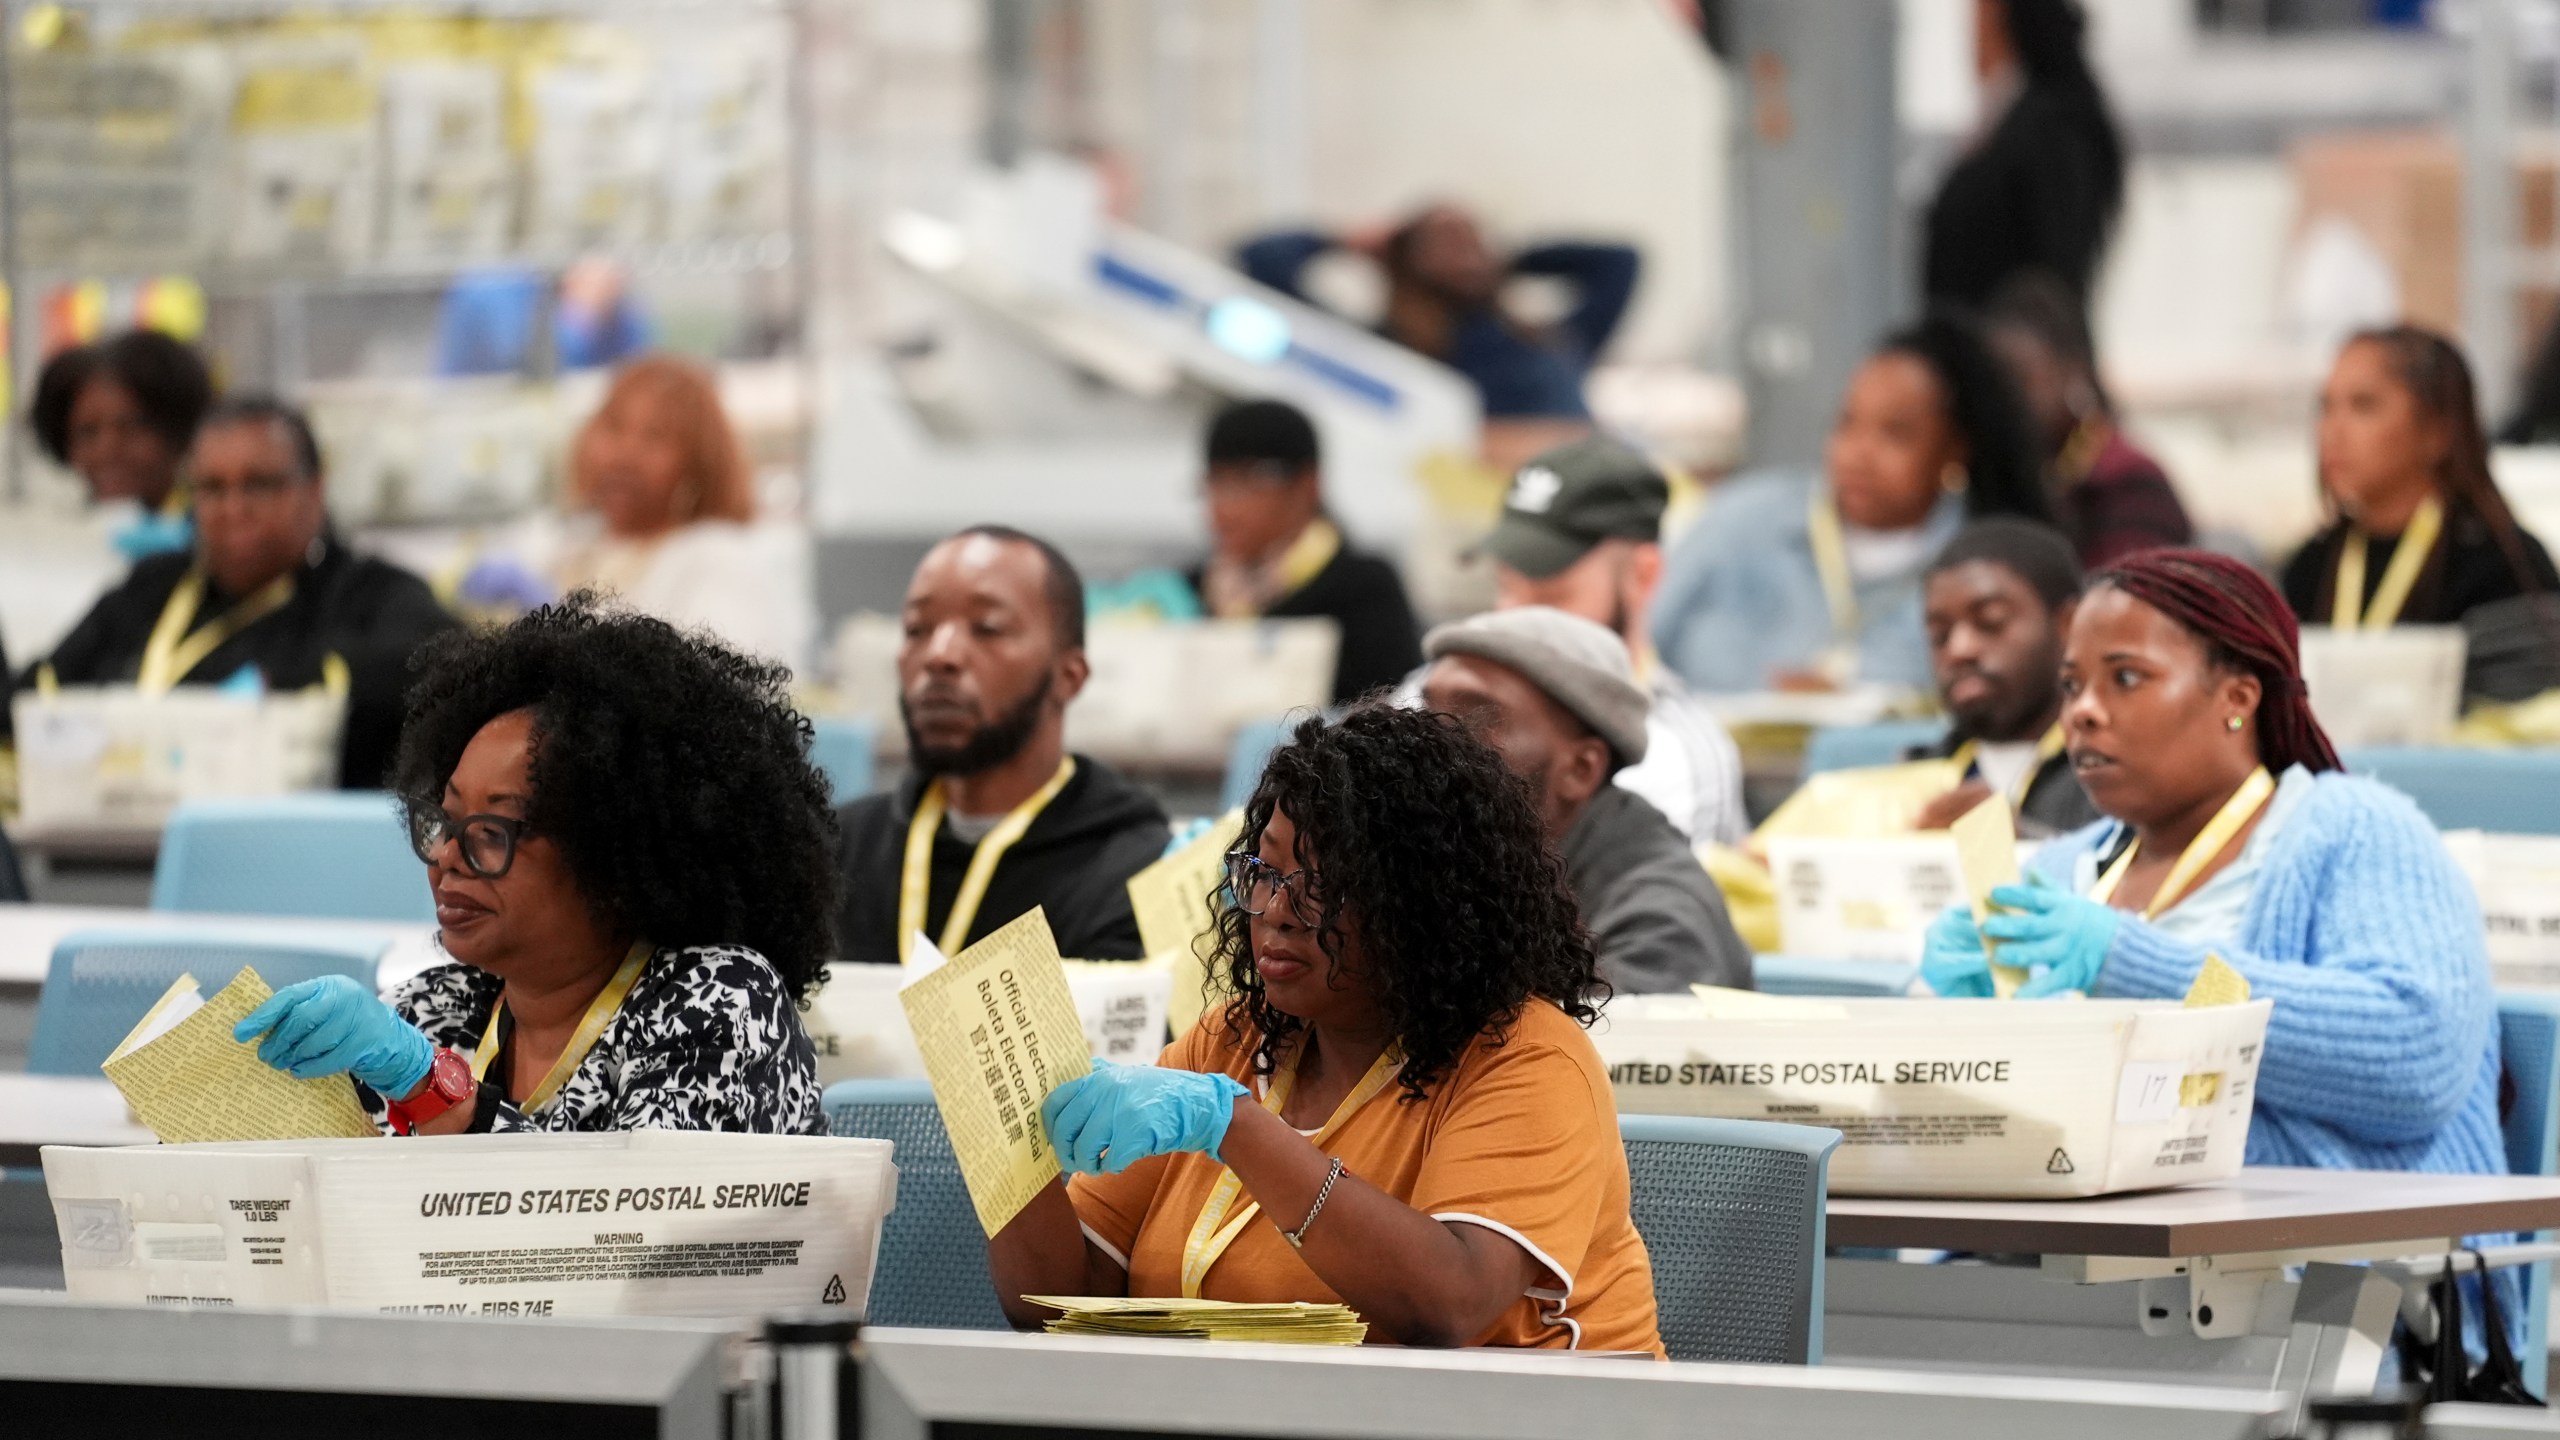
(1075, 862)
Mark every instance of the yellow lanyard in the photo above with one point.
(1831, 562)
(915, 878)
(2239, 810)
(1213, 1232)
(2347, 610)
(171, 652)
(1303, 561)
(600, 1013)
(2046, 748)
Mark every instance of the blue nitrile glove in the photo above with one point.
(1134, 1111)
(2063, 937)
(333, 1026)
(1952, 962)
(502, 582)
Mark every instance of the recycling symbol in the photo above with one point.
(834, 1294)
(2060, 1164)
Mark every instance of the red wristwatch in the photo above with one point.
(449, 1083)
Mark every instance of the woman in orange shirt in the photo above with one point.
(1397, 1109)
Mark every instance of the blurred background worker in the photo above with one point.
(2039, 184)
(1554, 695)
(1810, 582)
(1275, 554)
(2110, 498)
(672, 493)
(268, 598)
(998, 818)
(1997, 604)
(2422, 535)
(1445, 300)
(120, 414)
(1581, 530)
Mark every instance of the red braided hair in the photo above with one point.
(2245, 625)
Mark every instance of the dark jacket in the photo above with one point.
(1074, 862)
(1518, 371)
(2055, 804)
(2034, 195)
(1381, 640)
(369, 613)
(2469, 581)
(1656, 920)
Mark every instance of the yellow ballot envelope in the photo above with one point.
(1874, 800)
(187, 1079)
(1177, 903)
(998, 1030)
(1987, 856)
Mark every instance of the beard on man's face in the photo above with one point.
(992, 743)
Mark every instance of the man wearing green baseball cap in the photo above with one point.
(1581, 531)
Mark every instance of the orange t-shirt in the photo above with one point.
(1521, 1137)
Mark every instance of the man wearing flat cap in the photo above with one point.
(1556, 695)
(1582, 531)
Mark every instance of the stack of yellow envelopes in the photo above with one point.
(1294, 1324)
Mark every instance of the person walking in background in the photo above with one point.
(1275, 555)
(1444, 300)
(2038, 187)
(2110, 498)
(1813, 581)
(2421, 535)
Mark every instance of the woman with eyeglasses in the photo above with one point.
(1396, 1108)
(633, 867)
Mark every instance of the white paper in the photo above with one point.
(2148, 1094)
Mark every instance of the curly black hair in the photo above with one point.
(1421, 835)
(672, 772)
(168, 380)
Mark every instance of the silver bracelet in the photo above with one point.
(1298, 1238)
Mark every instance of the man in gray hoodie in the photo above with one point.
(1556, 696)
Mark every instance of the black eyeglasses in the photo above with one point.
(488, 841)
(1254, 884)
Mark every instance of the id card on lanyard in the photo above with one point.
(915, 876)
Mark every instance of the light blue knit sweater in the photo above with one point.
(2382, 1053)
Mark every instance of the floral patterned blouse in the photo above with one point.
(708, 1039)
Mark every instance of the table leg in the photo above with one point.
(2342, 1318)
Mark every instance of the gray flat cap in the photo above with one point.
(1578, 663)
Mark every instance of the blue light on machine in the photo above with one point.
(1248, 329)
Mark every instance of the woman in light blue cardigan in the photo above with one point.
(1796, 580)
(2236, 834)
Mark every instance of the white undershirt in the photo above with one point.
(970, 829)
(2005, 764)
(1886, 554)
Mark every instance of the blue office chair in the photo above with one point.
(1732, 1214)
(335, 855)
(933, 1255)
(1854, 747)
(844, 747)
(2529, 1041)
(102, 982)
(1246, 756)
(2515, 792)
(1808, 975)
